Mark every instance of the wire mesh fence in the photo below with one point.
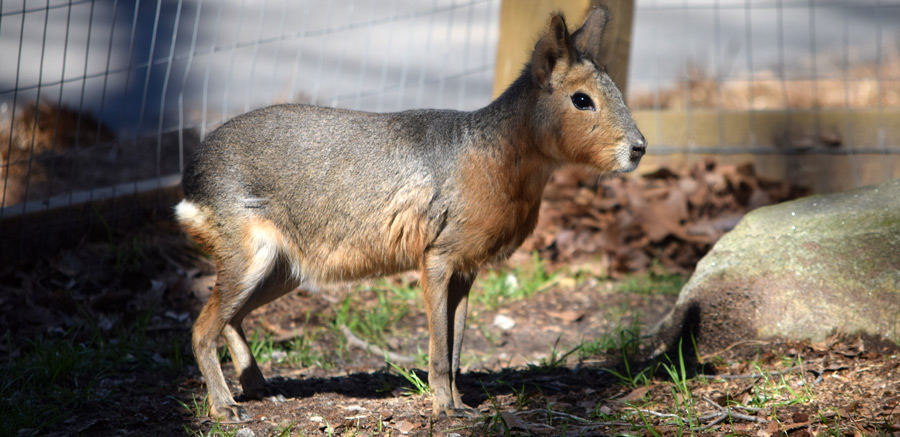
(807, 90)
(101, 98)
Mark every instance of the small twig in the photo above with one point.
(553, 412)
(728, 412)
(732, 346)
(709, 416)
(746, 408)
(751, 375)
(739, 407)
(720, 417)
(713, 403)
(353, 340)
(595, 425)
(663, 415)
(591, 424)
(541, 425)
(747, 417)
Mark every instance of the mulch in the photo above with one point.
(634, 223)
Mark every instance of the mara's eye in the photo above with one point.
(583, 102)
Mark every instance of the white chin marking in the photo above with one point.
(627, 169)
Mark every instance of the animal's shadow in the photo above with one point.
(566, 382)
(561, 383)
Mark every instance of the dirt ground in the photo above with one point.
(96, 337)
(96, 343)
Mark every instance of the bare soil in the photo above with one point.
(97, 337)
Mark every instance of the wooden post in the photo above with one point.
(617, 40)
(522, 21)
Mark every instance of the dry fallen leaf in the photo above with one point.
(636, 394)
(513, 422)
(663, 217)
(566, 316)
(403, 426)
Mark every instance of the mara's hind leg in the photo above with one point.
(254, 384)
(247, 278)
(204, 341)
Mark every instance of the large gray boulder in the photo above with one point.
(802, 269)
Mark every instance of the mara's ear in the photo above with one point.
(589, 37)
(553, 50)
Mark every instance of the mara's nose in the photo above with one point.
(638, 147)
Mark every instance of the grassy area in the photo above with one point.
(375, 316)
(85, 365)
(592, 386)
(497, 287)
(376, 319)
(655, 281)
(52, 377)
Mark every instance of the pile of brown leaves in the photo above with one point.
(631, 223)
(31, 148)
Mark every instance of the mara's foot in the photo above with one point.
(229, 413)
(463, 412)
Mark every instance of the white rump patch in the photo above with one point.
(188, 213)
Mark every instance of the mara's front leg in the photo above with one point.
(446, 299)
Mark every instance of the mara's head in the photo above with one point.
(580, 112)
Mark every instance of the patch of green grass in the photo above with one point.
(648, 425)
(624, 339)
(421, 357)
(285, 430)
(770, 392)
(495, 424)
(216, 430)
(496, 287)
(302, 353)
(47, 379)
(376, 321)
(262, 345)
(775, 391)
(198, 408)
(418, 387)
(129, 256)
(631, 377)
(685, 407)
(52, 377)
(655, 281)
(329, 430)
(520, 396)
(403, 289)
(555, 360)
(299, 351)
(373, 323)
